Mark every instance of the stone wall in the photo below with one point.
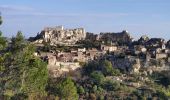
(62, 67)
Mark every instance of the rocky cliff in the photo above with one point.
(121, 37)
(59, 35)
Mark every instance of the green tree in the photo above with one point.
(67, 90)
(3, 44)
(24, 73)
(3, 41)
(111, 85)
(90, 67)
(19, 60)
(115, 72)
(97, 77)
(3, 55)
(94, 88)
(81, 90)
(0, 20)
(33, 73)
(17, 43)
(107, 67)
(35, 76)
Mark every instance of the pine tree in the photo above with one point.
(67, 90)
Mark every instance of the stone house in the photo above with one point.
(108, 48)
(136, 66)
(51, 59)
(61, 68)
(140, 48)
(154, 43)
(161, 55)
(93, 53)
(81, 49)
(81, 57)
(169, 59)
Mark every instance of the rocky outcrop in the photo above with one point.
(168, 44)
(128, 64)
(155, 43)
(143, 39)
(59, 35)
(122, 37)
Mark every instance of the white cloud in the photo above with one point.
(46, 14)
(15, 8)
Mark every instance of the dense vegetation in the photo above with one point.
(22, 75)
(96, 82)
(20, 71)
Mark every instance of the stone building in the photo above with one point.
(108, 48)
(160, 55)
(155, 43)
(168, 59)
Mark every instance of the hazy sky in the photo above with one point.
(139, 17)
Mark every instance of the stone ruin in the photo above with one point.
(59, 35)
(122, 37)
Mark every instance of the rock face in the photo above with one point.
(143, 39)
(128, 64)
(168, 44)
(59, 35)
(122, 37)
(155, 43)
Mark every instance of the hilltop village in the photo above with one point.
(75, 46)
(106, 65)
(72, 64)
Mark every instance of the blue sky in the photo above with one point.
(139, 17)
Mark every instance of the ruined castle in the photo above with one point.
(59, 35)
(123, 36)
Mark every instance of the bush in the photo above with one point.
(19, 96)
(67, 89)
(94, 88)
(107, 67)
(90, 67)
(92, 96)
(97, 77)
(111, 85)
(81, 90)
(64, 89)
